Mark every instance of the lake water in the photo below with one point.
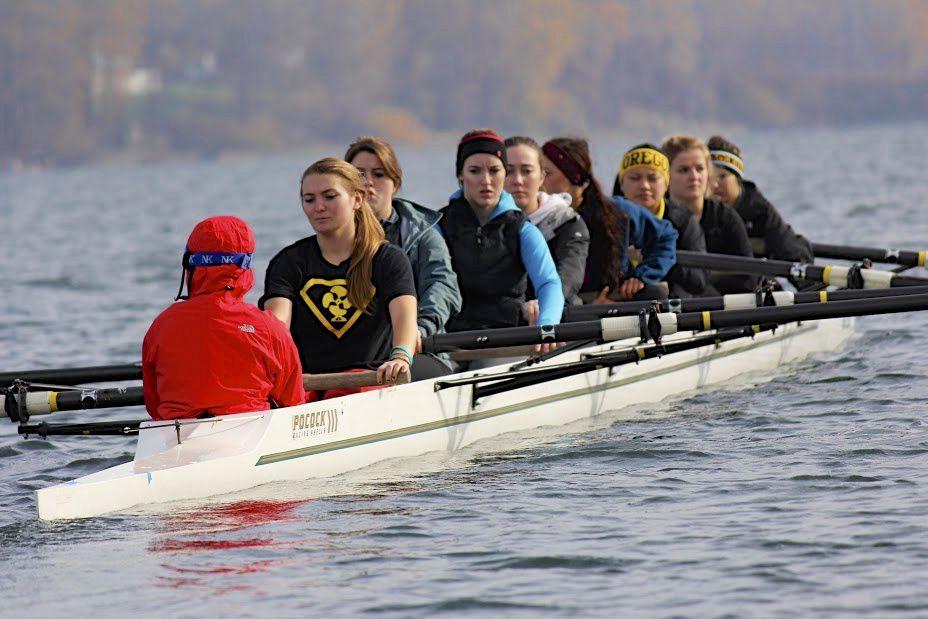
(803, 496)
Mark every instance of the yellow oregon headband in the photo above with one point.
(647, 157)
(728, 160)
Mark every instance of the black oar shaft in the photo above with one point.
(511, 336)
(579, 313)
(45, 402)
(810, 311)
(622, 327)
(75, 376)
(782, 268)
(103, 428)
(852, 252)
(612, 359)
(99, 398)
(112, 373)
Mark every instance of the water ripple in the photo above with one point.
(801, 496)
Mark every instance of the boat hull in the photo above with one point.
(197, 459)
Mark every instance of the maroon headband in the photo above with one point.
(565, 163)
(488, 143)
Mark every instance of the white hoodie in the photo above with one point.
(553, 211)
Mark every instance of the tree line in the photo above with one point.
(83, 79)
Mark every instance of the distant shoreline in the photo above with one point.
(654, 130)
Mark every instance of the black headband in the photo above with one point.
(481, 143)
(565, 163)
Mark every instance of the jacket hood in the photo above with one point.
(506, 203)
(221, 235)
(423, 216)
(553, 211)
(415, 220)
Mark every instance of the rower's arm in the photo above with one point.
(657, 240)
(781, 240)
(281, 308)
(288, 380)
(436, 283)
(149, 376)
(403, 313)
(536, 257)
(571, 246)
(694, 280)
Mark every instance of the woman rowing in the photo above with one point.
(770, 235)
(725, 233)
(565, 231)
(411, 227)
(494, 250)
(615, 225)
(346, 294)
(644, 174)
(213, 353)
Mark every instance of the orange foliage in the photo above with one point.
(266, 75)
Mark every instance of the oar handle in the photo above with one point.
(346, 380)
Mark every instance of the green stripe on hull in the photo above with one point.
(479, 416)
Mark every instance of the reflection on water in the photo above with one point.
(224, 518)
(196, 546)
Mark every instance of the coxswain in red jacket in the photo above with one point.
(212, 352)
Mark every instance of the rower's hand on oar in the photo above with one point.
(531, 310)
(629, 288)
(391, 370)
(543, 349)
(603, 297)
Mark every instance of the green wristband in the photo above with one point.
(399, 348)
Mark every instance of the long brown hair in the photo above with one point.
(368, 233)
(600, 206)
(380, 149)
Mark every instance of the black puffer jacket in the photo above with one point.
(771, 236)
(568, 240)
(486, 258)
(569, 248)
(726, 234)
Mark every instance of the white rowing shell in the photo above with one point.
(323, 439)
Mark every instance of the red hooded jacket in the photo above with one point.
(215, 353)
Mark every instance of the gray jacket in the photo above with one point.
(436, 281)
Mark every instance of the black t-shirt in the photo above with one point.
(329, 333)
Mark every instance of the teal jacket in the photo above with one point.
(436, 281)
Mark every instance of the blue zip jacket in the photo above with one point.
(436, 283)
(656, 238)
(538, 263)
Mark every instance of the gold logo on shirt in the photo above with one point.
(337, 314)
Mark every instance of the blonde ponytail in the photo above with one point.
(368, 237)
